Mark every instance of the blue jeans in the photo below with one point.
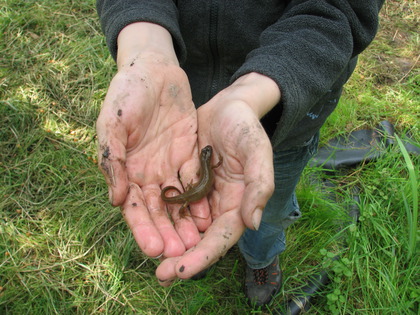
(259, 248)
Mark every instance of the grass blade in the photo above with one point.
(413, 215)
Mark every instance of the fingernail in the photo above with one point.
(165, 283)
(111, 199)
(256, 218)
(112, 175)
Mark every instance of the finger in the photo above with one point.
(184, 225)
(200, 211)
(259, 185)
(112, 157)
(182, 218)
(167, 275)
(173, 245)
(224, 232)
(113, 168)
(141, 225)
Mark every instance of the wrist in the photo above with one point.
(258, 91)
(145, 41)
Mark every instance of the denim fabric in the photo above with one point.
(259, 248)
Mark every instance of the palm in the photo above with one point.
(238, 136)
(243, 182)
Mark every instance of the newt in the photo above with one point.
(198, 190)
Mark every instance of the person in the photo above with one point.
(255, 80)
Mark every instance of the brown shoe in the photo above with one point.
(261, 285)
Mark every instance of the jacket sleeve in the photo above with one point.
(114, 15)
(307, 50)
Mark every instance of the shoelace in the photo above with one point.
(260, 276)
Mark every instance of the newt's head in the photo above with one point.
(206, 152)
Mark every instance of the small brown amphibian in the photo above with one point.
(199, 190)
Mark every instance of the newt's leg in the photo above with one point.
(218, 163)
(183, 210)
(189, 185)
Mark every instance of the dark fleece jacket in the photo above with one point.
(308, 47)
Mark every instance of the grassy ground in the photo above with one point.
(64, 250)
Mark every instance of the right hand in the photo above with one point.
(243, 183)
(147, 133)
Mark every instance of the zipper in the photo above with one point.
(214, 49)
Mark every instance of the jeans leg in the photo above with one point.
(259, 248)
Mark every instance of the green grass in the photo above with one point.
(65, 250)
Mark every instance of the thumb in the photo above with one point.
(111, 160)
(259, 185)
